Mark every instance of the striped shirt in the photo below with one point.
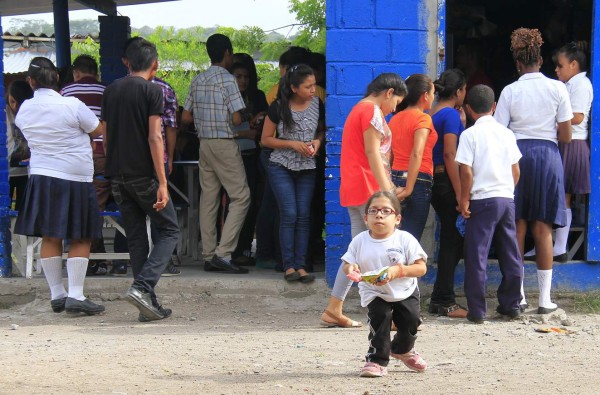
(304, 128)
(213, 98)
(89, 91)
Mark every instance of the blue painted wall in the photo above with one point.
(5, 248)
(593, 235)
(364, 39)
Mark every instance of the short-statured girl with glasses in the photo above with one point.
(394, 297)
(364, 169)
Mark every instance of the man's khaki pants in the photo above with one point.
(221, 166)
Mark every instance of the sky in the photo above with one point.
(266, 14)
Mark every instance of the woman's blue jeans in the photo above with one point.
(415, 208)
(293, 191)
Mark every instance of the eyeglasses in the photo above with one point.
(384, 211)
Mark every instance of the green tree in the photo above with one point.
(182, 55)
(311, 15)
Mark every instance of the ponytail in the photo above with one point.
(417, 84)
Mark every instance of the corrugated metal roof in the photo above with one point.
(20, 48)
(16, 58)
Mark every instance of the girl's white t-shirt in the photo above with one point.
(56, 129)
(370, 254)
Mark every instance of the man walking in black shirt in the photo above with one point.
(131, 110)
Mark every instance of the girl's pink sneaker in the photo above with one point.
(412, 360)
(372, 369)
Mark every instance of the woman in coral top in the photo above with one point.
(365, 169)
(413, 139)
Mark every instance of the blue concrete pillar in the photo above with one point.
(364, 39)
(5, 248)
(114, 31)
(62, 34)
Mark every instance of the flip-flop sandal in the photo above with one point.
(339, 322)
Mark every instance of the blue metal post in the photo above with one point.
(5, 247)
(593, 229)
(62, 34)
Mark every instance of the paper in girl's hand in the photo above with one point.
(354, 276)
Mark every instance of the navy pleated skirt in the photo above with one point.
(576, 161)
(540, 193)
(58, 208)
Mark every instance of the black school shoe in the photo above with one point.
(58, 305)
(86, 306)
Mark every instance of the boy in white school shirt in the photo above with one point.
(489, 170)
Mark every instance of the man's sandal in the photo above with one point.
(454, 311)
(338, 322)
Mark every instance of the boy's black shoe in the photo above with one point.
(141, 300)
(166, 313)
(512, 314)
(474, 320)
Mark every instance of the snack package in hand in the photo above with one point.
(375, 276)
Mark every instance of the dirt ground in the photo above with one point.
(227, 344)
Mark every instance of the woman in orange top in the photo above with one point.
(365, 169)
(413, 138)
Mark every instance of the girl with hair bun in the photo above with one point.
(365, 169)
(449, 122)
(60, 202)
(538, 111)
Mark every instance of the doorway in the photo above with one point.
(478, 41)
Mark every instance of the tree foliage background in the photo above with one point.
(182, 52)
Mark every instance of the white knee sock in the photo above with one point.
(545, 284)
(523, 300)
(53, 271)
(76, 269)
(562, 235)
